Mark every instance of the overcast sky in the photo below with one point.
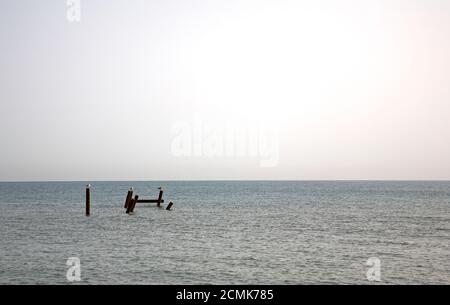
(335, 89)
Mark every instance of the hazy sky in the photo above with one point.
(336, 89)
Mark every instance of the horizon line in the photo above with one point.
(232, 180)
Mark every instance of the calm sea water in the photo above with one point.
(227, 233)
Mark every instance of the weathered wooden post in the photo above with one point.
(136, 198)
(88, 200)
(129, 197)
(130, 205)
(169, 207)
(160, 197)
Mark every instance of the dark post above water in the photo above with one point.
(129, 197)
(169, 207)
(130, 205)
(160, 197)
(88, 200)
(134, 203)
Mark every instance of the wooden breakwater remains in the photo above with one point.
(130, 201)
(88, 200)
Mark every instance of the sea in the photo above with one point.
(227, 232)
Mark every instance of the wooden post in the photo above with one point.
(88, 200)
(169, 207)
(129, 196)
(160, 197)
(130, 206)
(134, 203)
